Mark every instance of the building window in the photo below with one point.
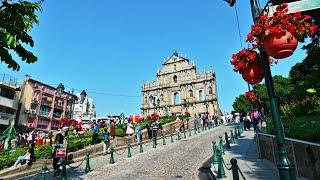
(152, 101)
(175, 79)
(175, 67)
(201, 95)
(210, 90)
(176, 98)
(161, 97)
(190, 93)
(158, 102)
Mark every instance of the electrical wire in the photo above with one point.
(238, 24)
(102, 93)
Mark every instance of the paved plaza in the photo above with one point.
(189, 158)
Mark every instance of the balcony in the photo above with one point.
(7, 102)
(45, 113)
(57, 115)
(58, 105)
(4, 118)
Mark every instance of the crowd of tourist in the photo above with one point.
(59, 138)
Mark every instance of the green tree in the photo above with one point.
(16, 20)
(283, 89)
(241, 105)
(305, 75)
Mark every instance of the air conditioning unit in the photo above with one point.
(27, 111)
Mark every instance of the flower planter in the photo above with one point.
(253, 74)
(280, 47)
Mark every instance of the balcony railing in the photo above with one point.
(57, 116)
(5, 116)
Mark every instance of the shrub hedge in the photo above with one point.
(304, 128)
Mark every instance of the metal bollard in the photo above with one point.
(88, 168)
(111, 157)
(234, 168)
(221, 147)
(154, 143)
(239, 133)
(232, 138)
(63, 175)
(214, 157)
(189, 132)
(141, 147)
(184, 134)
(43, 172)
(235, 133)
(221, 172)
(163, 140)
(129, 151)
(195, 130)
(227, 140)
(198, 129)
(171, 136)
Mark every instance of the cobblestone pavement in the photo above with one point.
(179, 160)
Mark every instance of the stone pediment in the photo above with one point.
(174, 59)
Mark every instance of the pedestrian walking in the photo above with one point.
(95, 133)
(155, 128)
(182, 128)
(138, 132)
(247, 121)
(196, 122)
(256, 118)
(55, 160)
(112, 129)
(129, 130)
(148, 127)
(106, 140)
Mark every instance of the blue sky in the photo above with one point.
(110, 47)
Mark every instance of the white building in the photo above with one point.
(85, 110)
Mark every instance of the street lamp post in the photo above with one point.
(283, 163)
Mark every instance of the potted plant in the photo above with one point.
(280, 33)
(246, 62)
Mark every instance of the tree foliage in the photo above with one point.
(241, 104)
(16, 20)
(305, 75)
(283, 89)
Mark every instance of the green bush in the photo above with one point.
(7, 160)
(43, 152)
(167, 120)
(145, 123)
(120, 132)
(296, 128)
(79, 143)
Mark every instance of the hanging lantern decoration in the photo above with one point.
(253, 74)
(280, 46)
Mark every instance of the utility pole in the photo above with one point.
(283, 163)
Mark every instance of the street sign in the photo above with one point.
(61, 152)
(302, 5)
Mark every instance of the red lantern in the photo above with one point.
(280, 46)
(253, 74)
